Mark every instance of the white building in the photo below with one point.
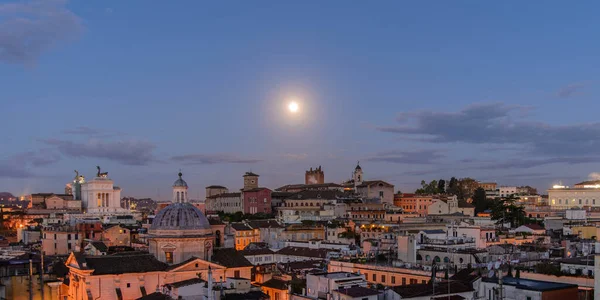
(229, 203)
(520, 288)
(583, 194)
(100, 196)
(322, 285)
(506, 191)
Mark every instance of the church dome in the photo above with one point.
(180, 182)
(180, 216)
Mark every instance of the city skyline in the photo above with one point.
(496, 92)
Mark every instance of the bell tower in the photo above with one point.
(358, 175)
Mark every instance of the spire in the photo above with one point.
(180, 174)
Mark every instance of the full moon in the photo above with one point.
(293, 107)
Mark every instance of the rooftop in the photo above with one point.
(532, 285)
(358, 291)
(187, 282)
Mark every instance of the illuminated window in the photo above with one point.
(169, 257)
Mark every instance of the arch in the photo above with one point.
(427, 258)
(436, 259)
(446, 259)
(419, 257)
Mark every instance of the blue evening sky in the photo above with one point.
(495, 90)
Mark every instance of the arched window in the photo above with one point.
(427, 258)
(460, 260)
(446, 260)
(436, 259)
(419, 257)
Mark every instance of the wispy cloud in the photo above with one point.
(295, 156)
(28, 28)
(408, 157)
(215, 158)
(494, 123)
(128, 152)
(570, 90)
(19, 165)
(91, 132)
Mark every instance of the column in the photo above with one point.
(107, 199)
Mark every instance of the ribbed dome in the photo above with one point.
(180, 182)
(180, 216)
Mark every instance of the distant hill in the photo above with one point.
(6, 195)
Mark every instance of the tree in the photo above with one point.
(506, 210)
(466, 187)
(480, 200)
(452, 186)
(430, 188)
(441, 186)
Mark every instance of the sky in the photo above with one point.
(501, 91)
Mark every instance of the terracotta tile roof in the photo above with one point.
(307, 186)
(225, 195)
(305, 252)
(187, 282)
(265, 224)
(358, 291)
(230, 258)
(316, 194)
(240, 226)
(426, 289)
(100, 246)
(253, 295)
(260, 251)
(373, 182)
(276, 284)
(215, 187)
(155, 296)
(258, 189)
(121, 264)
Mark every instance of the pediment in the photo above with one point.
(168, 247)
(196, 264)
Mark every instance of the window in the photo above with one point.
(236, 274)
(403, 280)
(69, 236)
(383, 278)
(69, 246)
(559, 201)
(423, 281)
(594, 201)
(579, 201)
(380, 194)
(76, 236)
(129, 285)
(196, 265)
(374, 277)
(413, 281)
(169, 257)
(393, 279)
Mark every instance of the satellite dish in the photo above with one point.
(491, 274)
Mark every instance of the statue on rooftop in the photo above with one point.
(101, 174)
